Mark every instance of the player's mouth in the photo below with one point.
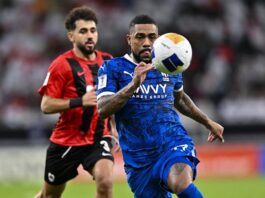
(89, 44)
(145, 52)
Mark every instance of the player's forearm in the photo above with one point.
(51, 105)
(108, 105)
(187, 107)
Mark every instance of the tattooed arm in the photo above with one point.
(108, 105)
(186, 106)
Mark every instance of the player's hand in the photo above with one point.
(140, 72)
(90, 98)
(216, 132)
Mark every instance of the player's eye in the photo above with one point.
(140, 36)
(93, 30)
(152, 36)
(83, 31)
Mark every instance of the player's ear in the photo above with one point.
(70, 36)
(128, 37)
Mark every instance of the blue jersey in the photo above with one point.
(148, 124)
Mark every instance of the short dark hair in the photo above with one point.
(83, 13)
(141, 19)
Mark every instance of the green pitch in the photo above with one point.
(214, 188)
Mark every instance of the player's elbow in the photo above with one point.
(45, 107)
(102, 114)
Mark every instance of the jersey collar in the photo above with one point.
(129, 58)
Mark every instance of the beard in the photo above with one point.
(139, 58)
(85, 50)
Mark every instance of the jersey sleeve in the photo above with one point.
(179, 83)
(55, 80)
(107, 79)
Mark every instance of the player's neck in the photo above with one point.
(133, 58)
(79, 54)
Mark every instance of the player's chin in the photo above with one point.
(90, 48)
(89, 51)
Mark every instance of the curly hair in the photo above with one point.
(79, 13)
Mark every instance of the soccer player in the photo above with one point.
(79, 136)
(159, 155)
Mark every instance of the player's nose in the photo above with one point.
(147, 42)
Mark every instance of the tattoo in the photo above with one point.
(186, 106)
(108, 105)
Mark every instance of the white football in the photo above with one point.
(171, 53)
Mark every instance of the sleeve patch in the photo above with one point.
(102, 81)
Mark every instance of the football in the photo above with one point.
(171, 53)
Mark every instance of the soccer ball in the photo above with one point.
(171, 53)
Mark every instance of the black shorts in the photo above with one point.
(62, 161)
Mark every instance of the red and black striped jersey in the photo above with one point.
(68, 77)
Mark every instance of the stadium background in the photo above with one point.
(226, 79)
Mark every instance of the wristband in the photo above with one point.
(76, 102)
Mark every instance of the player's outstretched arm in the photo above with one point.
(108, 105)
(186, 106)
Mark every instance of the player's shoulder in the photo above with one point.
(122, 61)
(60, 61)
(115, 63)
(116, 60)
(104, 55)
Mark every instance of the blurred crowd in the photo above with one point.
(226, 77)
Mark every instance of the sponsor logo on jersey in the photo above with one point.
(81, 73)
(157, 91)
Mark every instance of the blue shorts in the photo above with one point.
(151, 181)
